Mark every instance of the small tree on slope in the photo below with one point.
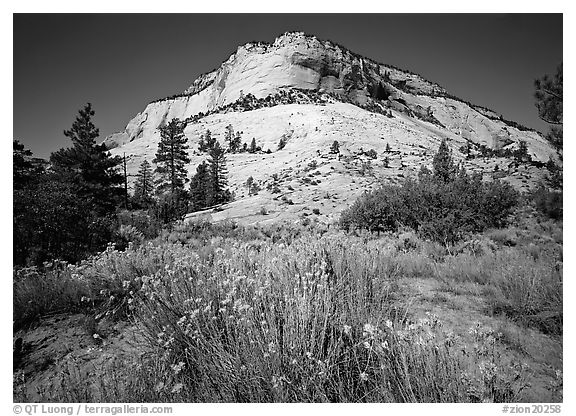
(89, 166)
(172, 157)
(143, 188)
(443, 163)
(217, 188)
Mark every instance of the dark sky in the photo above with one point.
(121, 62)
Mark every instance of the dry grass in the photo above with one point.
(284, 316)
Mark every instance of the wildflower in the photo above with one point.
(177, 388)
(347, 329)
(366, 345)
(369, 330)
(363, 376)
(159, 387)
(308, 354)
(389, 324)
(177, 368)
(294, 361)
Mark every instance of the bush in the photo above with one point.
(441, 206)
(548, 202)
(443, 212)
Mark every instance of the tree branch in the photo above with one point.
(558, 123)
(552, 93)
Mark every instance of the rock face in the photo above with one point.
(296, 60)
(315, 92)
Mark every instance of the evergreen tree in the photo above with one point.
(172, 157)
(253, 148)
(89, 166)
(335, 148)
(206, 142)
(199, 187)
(234, 140)
(217, 190)
(143, 188)
(443, 164)
(549, 101)
(388, 149)
(23, 170)
(249, 184)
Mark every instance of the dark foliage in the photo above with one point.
(443, 163)
(218, 183)
(549, 202)
(170, 206)
(443, 205)
(144, 187)
(206, 142)
(172, 157)
(199, 187)
(549, 101)
(52, 222)
(89, 166)
(68, 213)
(22, 167)
(335, 148)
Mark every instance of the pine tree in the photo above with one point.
(443, 164)
(282, 142)
(249, 184)
(172, 157)
(549, 101)
(253, 146)
(199, 187)
(234, 140)
(335, 148)
(217, 192)
(22, 168)
(236, 143)
(206, 142)
(388, 149)
(143, 188)
(89, 166)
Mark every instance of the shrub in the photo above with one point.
(443, 206)
(548, 202)
(372, 154)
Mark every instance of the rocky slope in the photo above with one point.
(314, 92)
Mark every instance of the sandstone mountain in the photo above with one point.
(310, 93)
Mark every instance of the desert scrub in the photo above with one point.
(311, 321)
(38, 292)
(515, 283)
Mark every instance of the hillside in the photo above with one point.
(314, 92)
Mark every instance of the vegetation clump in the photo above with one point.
(443, 205)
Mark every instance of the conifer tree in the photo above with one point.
(199, 187)
(172, 157)
(335, 148)
(89, 166)
(22, 168)
(443, 164)
(144, 187)
(253, 146)
(549, 101)
(206, 142)
(217, 192)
